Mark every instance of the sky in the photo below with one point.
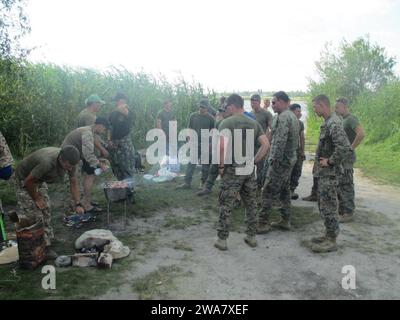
(227, 45)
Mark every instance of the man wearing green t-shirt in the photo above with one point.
(47, 165)
(234, 181)
(198, 121)
(355, 134)
(164, 116)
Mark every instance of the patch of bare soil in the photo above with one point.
(180, 261)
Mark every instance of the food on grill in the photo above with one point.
(116, 185)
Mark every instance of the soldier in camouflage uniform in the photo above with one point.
(355, 134)
(234, 182)
(333, 148)
(298, 167)
(282, 157)
(83, 139)
(122, 152)
(87, 117)
(6, 159)
(47, 165)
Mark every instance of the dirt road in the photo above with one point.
(183, 264)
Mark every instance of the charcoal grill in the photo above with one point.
(118, 192)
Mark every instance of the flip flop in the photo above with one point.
(95, 209)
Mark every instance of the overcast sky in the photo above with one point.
(227, 45)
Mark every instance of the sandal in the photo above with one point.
(94, 209)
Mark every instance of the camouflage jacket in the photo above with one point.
(6, 158)
(285, 139)
(334, 145)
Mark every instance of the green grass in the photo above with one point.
(152, 199)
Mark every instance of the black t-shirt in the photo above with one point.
(121, 125)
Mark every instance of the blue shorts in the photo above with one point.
(5, 173)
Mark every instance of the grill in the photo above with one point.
(118, 191)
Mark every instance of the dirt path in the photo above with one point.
(183, 264)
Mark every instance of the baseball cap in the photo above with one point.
(94, 98)
(203, 103)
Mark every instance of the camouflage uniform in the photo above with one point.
(83, 139)
(298, 167)
(6, 159)
(346, 187)
(30, 213)
(232, 184)
(43, 165)
(86, 118)
(282, 157)
(123, 158)
(264, 118)
(334, 145)
(346, 183)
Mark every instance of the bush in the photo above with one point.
(39, 103)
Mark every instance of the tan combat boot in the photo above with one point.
(318, 239)
(251, 241)
(312, 197)
(346, 217)
(326, 245)
(221, 244)
(263, 228)
(283, 224)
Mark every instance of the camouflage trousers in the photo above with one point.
(191, 168)
(212, 176)
(29, 213)
(260, 174)
(231, 186)
(328, 204)
(346, 192)
(276, 186)
(296, 173)
(122, 158)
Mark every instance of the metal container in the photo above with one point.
(118, 191)
(117, 194)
